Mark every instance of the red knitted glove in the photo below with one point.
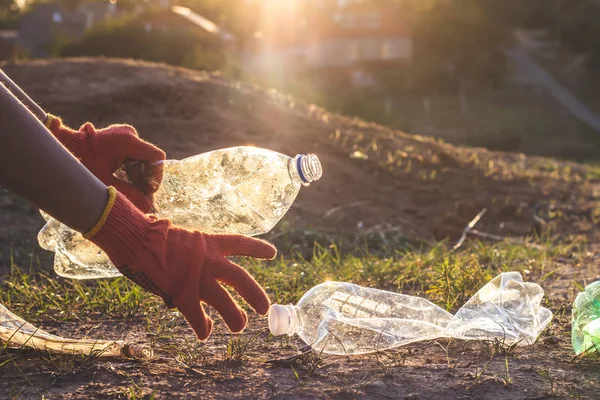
(103, 151)
(183, 267)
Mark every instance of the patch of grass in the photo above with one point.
(547, 378)
(138, 391)
(37, 294)
(446, 277)
(593, 172)
(238, 345)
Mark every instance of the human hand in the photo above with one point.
(104, 151)
(183, 267)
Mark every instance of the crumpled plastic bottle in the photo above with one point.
(242, 190)
(343, 318)
(585, 322)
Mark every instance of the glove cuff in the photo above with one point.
(53, 122)
(66, 136)
(123, 229)
(112, 197)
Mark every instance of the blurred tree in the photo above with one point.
(6, 7)
(71, 4)
(573, 24)
(128, 38)
(462, 41)
(9, 14)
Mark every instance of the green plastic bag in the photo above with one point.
(585, 324)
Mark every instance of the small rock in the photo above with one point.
(551, 340)
(376, 386)
(412, 396)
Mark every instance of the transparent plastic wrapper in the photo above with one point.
(238, 190)
(16, 331)
(585, 323)
(343, 318)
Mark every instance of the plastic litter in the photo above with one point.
(244, 190)
(343, 318)
(585, 323)
(18, 332)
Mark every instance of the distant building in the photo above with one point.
(97, 11)
(347, 36)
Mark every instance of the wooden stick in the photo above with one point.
(468, 228)
(16, 331)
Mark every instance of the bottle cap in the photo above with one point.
(309, 168)
(280, 319)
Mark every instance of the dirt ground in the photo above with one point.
(417, 185)
(375, 179)
(274, 368)
(431, 370)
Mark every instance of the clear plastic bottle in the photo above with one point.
(343, 318)
(585, 323)
(243, 190)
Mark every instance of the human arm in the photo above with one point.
(103, 151)
(23, 97)
(34, 165)
(183, 267)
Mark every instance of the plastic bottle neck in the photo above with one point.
(305, 168)
(284, 320)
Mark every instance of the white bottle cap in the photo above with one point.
(309, 168)
(280, 319)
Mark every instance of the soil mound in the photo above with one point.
(374, 178)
